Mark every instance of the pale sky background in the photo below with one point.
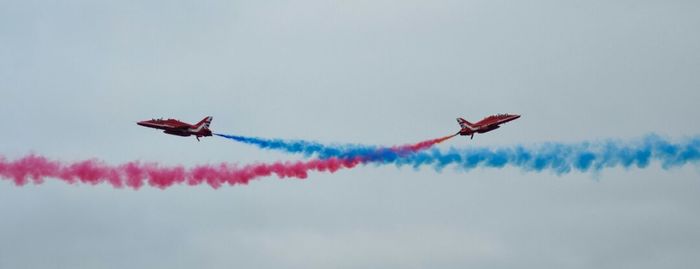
(75, 76)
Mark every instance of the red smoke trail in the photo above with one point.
(34, 168)
(422, 145)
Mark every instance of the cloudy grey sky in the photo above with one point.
(76, 75)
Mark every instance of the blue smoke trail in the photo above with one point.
(564, 158)
(309, 149)
(560, 158)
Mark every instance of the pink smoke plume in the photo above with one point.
(421, 145)
(34, 168)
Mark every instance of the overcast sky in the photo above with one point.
(75, 76)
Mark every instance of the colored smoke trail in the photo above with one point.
(560, 158)
(36, 169)
(350, 151)
(33, 168)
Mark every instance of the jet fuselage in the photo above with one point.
(487, 124)
(179, 128)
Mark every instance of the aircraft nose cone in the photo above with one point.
(142, 123)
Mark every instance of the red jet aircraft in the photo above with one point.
(488, 124)
(176, 127)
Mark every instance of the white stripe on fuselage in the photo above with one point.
(155, 125)
(470, 128)
(204, 125)
(197, 130)
(171, 128)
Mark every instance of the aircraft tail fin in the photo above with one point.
(204, 123)
(464, 123)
